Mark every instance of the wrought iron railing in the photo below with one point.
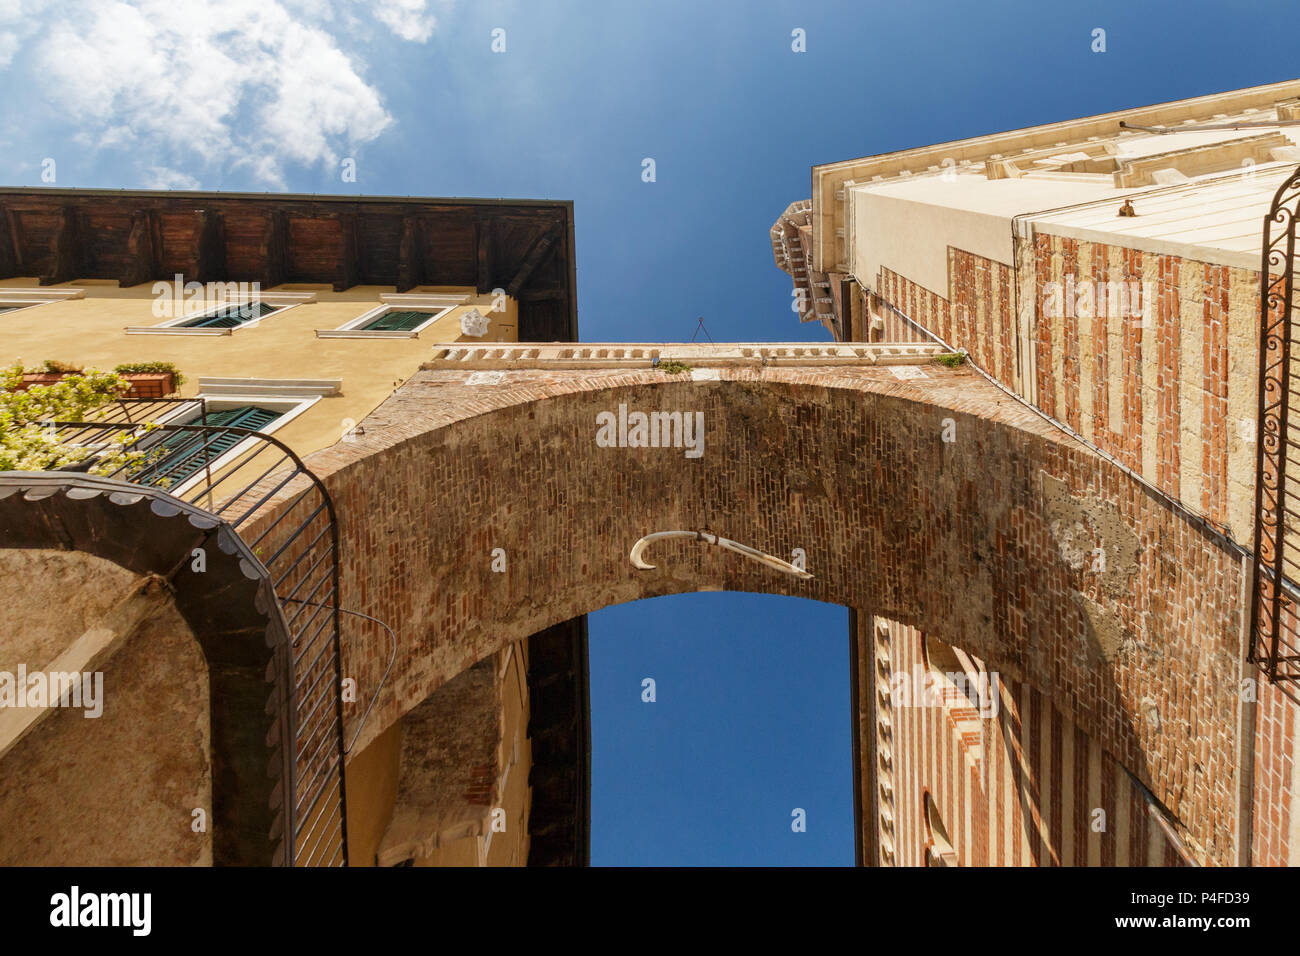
(1274, 625)
(260, 488)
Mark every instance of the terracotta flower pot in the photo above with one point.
(144, 385)
(38, 378)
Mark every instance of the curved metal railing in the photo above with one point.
(236, 474)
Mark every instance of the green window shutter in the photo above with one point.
(245, 416)
(186, 453)
(230, 316)
(397, 321)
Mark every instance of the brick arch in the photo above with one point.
(987, 542)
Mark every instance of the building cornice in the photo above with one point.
(830, 249)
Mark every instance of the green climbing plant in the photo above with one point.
(28, 440)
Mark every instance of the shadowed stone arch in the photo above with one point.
(987, 541)
(231, 610)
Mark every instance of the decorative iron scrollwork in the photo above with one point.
(1275, 644)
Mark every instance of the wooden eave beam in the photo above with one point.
(484, 230)
(9, 248)
(274, 250)
(209, 246)
(536, 253)
(348, 272)
(65, 263)
(141, 250)
(410, 266)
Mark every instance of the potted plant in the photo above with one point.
(49, 373)
(151, 379)
(147, 380)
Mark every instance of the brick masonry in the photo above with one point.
(976, 541)
(1170, 391)
(1019, 787)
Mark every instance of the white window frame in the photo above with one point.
(25, 299)
(437, 304)
(290, 397)
(280, 302)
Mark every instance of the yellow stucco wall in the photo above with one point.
(371, 787)
(90, 333)
(514, 796)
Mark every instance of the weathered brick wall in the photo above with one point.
(1019, 787)
(1274, 822)
(448, 771)
(980, 541)
(1169, 389)
(1170, 392)
(977, 316)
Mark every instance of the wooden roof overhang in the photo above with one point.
(522, 246)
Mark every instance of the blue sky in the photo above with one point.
(752, 716)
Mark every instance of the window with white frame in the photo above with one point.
(227, 317)
(176, 457)
(13, 299)
(401, 316)
(262, 405)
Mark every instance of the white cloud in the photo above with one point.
(408, 19)
(160, 177)
(209, 87)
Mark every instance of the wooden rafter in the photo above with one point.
(484, 230)
(348, 272)
(141, 250)
(410, 259)
(65, 260)
(9, 261)
(209, 246)
(274, 249)
(536, 254)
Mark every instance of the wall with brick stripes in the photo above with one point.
(1170, 392)
(1275, 825)
(1168, 386)
(977, 315)
(1022, 788)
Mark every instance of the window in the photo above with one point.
(185, 453)
(223, 318)
(399, 320)
(13, 299)
(939, 850)
(263, 405)
(230, 316)
(401, 316)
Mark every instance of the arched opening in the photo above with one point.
(938, 849)
(721, 732)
